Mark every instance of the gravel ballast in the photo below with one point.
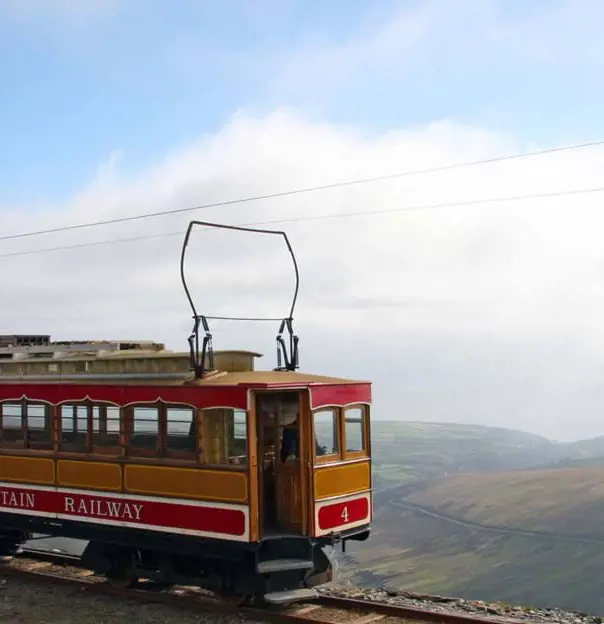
(36, 601)
(461, 606)
(39, 602)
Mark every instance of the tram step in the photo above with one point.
(281, 565)
(291, 595)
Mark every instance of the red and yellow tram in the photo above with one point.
(189, 467)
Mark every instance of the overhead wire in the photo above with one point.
(338, 215)
(309, 189)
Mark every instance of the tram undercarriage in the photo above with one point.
(279, 570)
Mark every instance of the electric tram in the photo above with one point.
(191, 467)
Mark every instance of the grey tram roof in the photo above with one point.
(35, 358)
(17, 346)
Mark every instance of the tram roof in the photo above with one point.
(249, 379)
(272, 378)
(97, 366)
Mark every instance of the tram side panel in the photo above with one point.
(154, 498)
(342, 498)
(41, 485)
(341, 473)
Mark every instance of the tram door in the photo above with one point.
(280, 462)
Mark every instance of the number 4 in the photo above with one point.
(344, 514)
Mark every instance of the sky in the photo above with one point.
(487, 313)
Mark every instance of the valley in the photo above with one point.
(485, 513)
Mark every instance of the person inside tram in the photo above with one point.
(290, 441)
(290, 434)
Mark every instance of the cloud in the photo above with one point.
(564, 33)
(389, 45)
(404, 53)
(485, 313)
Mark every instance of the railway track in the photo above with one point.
(48, 567)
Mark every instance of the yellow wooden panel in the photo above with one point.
(27, 469)
(198, 483)
(342, 479)
(89, 474)
(289, 497)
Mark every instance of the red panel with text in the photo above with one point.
(342, 514)
(217, 520)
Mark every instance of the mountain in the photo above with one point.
(408, 451)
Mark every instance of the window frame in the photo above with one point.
(196, 454)
(364, 452)
(128, 417)
(48, 416)
(329, 458)
(342, 454)
(244, 467)
(13, 444)
(93, 417)
(25, 442)
(71, 447)
(113, 450)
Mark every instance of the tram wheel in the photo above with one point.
(121, 582)
(122, 573)
(237, 600)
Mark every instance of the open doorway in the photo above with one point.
(280, 460)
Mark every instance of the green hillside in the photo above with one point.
(407, 451)
(560, 501)
(485, 513)
(420, 553)
(584, 449)
(528, 537)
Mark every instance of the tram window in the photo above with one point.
(12, 422)
(225, 436)
(105, 425)
(181, 429)
(239, 425)
(38, 423)
(354, 427)
(326, 433)
(113, 420)
(74, 427)
(145, 429)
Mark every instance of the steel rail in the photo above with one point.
(370, 612)
(413, 613)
